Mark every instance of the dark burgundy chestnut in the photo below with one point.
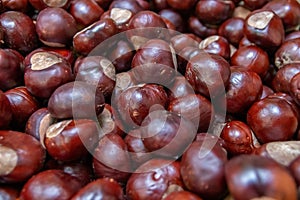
(182, 41)
(208, 74)
(97, 71)
(76, 99)
(290, 15)
(154, 179)
(5, 111)
(105, 188)
(182, 195)
(295, 88)
(245, 42)
(198, 160)
(63, 186)
(71, 140)
(199, 28)
(216, 44)
(16, 5)
(244, 88)
(174, 17)
(264, 28)
(294, 168)
(66, 53)
(182, 5)
(120, 16)
(45, 73)
(103, 3)
(42, 4)
(121, 56)
(266, 92)
(19, 31)
(214, 12)
(85, 12)
(55, 27)
(87, 39)
(195, 108)
(255, 4)
(255, 177)
(124, 81)
(22, 156)
(281, 81)
(184, 57)
(238, 138)
(292, 35)
(22, 104)
(232, 30)
(180, 88)
(133, 5)
(154, 62)
(111, 158)
(9, 193)
(135, 103)
(160, 4)
(287, 53)
(272, 119)
(252, 58)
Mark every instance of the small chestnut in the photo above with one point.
(216, 44)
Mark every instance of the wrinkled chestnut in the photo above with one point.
(255, 177)
(105, 188)
(5, 111)
(198, 160)
(264, 28)
(19, 31)
(71, 140)
(154, 179)
(295, 88)
(46, 72)
(76, 99)
(200, 29)
(121, 56)
(232, 30)
(287, 53)
(21, 156)
(55, 27)
(216, 44)
(37, 188)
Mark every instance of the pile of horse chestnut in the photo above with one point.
(149, 99)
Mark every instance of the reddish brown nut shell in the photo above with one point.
(287, 53)
(254, 4)
(295, 88)
(133, 5)
(121, 56)
(42, 4)
(17, 5)
(182, 195)
(9, 193)
(153, 179)
(120, 16)
(180, 5)
(216, 44)
(5, 111)
(37, 188)
(294, 168)
(181, 41)
(246, 175)
(76, 99)
(180, 88)
(21, 156)
(200, 29)
(174, 17)
(232, 30)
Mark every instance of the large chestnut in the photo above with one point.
(121, 56)
(5, 111)
(232, 30)
(21, 156)
(255, 177)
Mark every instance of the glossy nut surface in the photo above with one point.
(5, 111)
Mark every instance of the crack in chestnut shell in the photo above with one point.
(43, 60)
(8, 160)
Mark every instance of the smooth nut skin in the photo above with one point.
(63, 186)
(232, 30)
(184, 57)
(180, 5)
(174, 17)
(181, 41)
(254, 4)
(195, 108)
(87, 39)
(11, 65)
(182, 195)
(216, 44)
(25, 154)
(121, 56)
(153, 179)
(199, 28)
(17, 5)
(251, 176)
(179, 88)
(104, 189)
(85, 12)
(198, 160)
(264, 28)
(5, 111)
(71, 140)
(45, 73)
(294, 168)
(111, 158)
(266, 92)
(208, 74)
(272, 119)
(244, 88)
(214, 11)
(22, 104)
(76, 99)
(292, 35)
(295, 88)
(287, 53)
(281, 81)
(19, 31)
(57, 30)
(132, 5)
(252, 58)
(237, 138)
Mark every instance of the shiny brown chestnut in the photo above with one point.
(121, 56)
(264, 28)
(294, 168)
(292, 35)
(85, 12)
(180, 5)
(105, 188)
(252, 58)
(214, 12)
(103, 3)
(197, 160)
(17, 5)
(266, 92)
(5, 111)
(180, 88)
(174, 17)
(87, 39)
(295, 88)
(182, 41)
(200, 29)
(272, 119)
(232, 30)
(71, 140)
(216, 44)
(76, 99)
(246, 175)
(255, 4)
(57, 30)
(154, 179)
(37, 188)
(111, 158)
(46, 72)
(21, 156)
(287, 53)
(19, 31)
(42, 4)
(133, 5)
(184, 57)
(120, 16)
(124, 80)
(182, 195)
